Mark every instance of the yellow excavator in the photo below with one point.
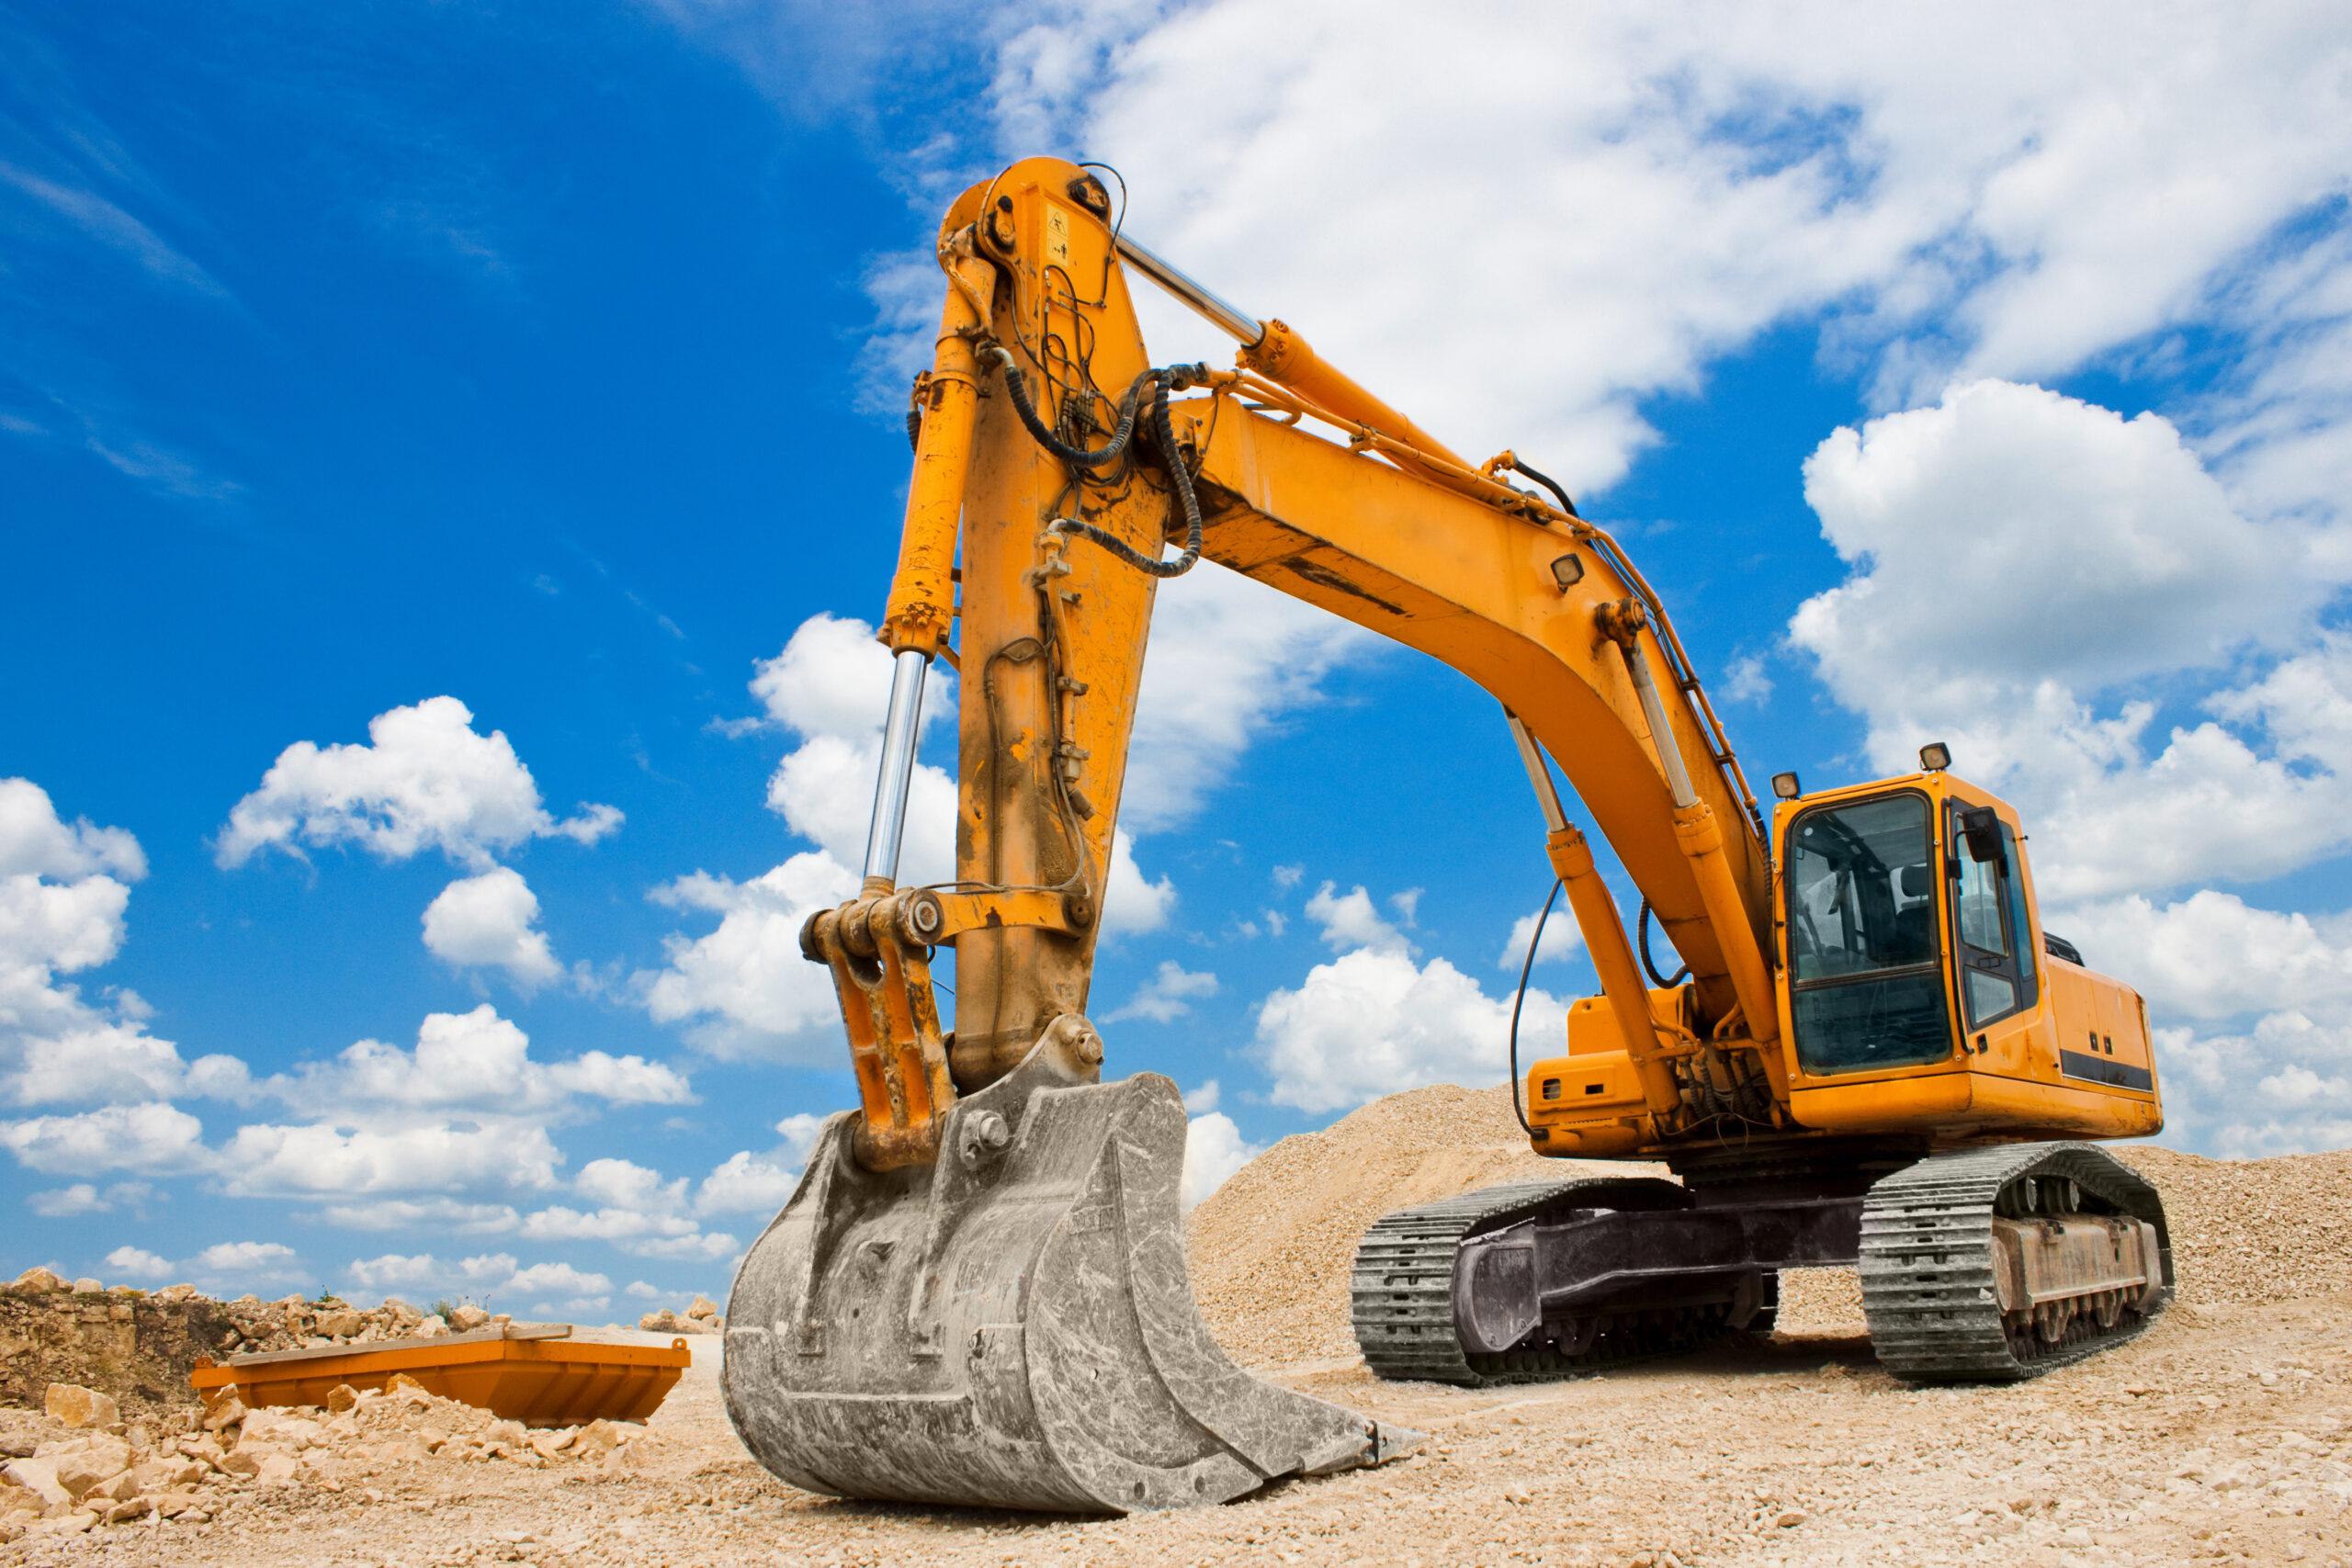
(1873, 1056)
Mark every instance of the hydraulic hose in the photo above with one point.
(1016, 383)
(1660, 981)
(1517, 1108)
(1551, 484)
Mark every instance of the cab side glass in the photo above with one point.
(1993, 945)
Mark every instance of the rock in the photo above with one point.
(131, 1508)
(227, 1410)
(1790, 1518)
(38, 1280)
(469, 1316)
(276, 1469)
(342, 1397)
(431, 1327)
(177, 1294)
(86, 1286)
(704, 1307)
(38, 1476)
(240, 1463)
(79, 1406)
(662, 1322)
(341, 1325)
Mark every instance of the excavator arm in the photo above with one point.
(1052, 462)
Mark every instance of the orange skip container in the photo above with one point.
(542, 1374)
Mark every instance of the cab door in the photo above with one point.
(1993, 936)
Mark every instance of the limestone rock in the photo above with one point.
(342, 1397)
(79, 1406)
(226, 1411)
(177, 1294)
(704, 1307)
(469, 1316)
(432, 1328)
(38, 1476)
(38, 1280)
(341, 1325)
(662, 1322)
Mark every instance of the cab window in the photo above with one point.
(1867, 990)
(1992, 949)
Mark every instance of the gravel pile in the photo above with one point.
(1270, 1250)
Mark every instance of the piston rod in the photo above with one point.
(889, 824)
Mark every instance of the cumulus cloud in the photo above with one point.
(1562, 940)
(478, 1278)
(760, 1184)
(266, 1159)
(63, 891)
(1168, 995)
(84, 1197)
(448, 1215)
(636, 1211)
(491, 921)
(226, 1269)
(1375, 1021)
(744, 987)
(2014, 553)
(1214, 1150)
(473, 1061)
(2283, 1086)
(2213, 956)
(155, 1138)
(424, 780)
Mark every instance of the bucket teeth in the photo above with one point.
(1015, 1330)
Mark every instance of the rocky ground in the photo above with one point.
(2225, 1434)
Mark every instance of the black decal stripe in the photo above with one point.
(2098, 1069)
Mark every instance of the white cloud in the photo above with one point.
(1166, 996)
(1374, 1021)
(2282, 1086)
(472, 1060)
(2212, 956)
(266, 1159)
(1995, 190)
(63, 891)
(34, 842)
(83, 1198)
(2062, 543)
(744, 987)
(638, 1211)
(448, 1216)
(1562, 940)
(2089, 553)
(1214, 1150)
(558, 1279)
(832, 685)
(490, 920)
(644, 1291)
(155, 1138)
(227, 1267)
(745, 1183)
(1130, 904)
(424, 781)
(1350, 920)
(478, 1278)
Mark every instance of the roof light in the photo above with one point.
(1935, 756)
(1785, 786)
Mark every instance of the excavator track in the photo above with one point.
(1928, 1264)
(1403, 1289)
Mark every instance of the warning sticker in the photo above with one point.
(1056, 235)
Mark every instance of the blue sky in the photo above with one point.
(519, 380)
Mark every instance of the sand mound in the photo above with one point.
(1270, 1251)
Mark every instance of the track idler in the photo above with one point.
(1011, 1326)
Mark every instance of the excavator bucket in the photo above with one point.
(1011, 1325)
